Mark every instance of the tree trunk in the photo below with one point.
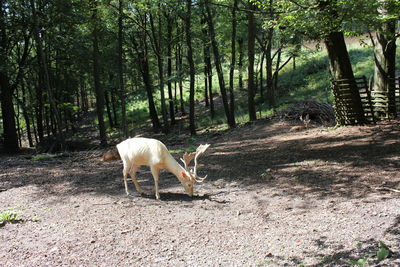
(8, 114)
(240, 63)
(7, 106)
(385, 67)
(206, 100)
(17, 120)
(275, 76)
(121, 69)
(340, 67)
(176, 78)
(143, 63)
(30, 83)
(270, 92)
(210, 85)
(261, 81)
(26, 114)
(158, 46)
(46, 79)
(169, 69)
(108, 107)
(47, 121)
(96, 76)
(207, 68)
(218, 65)
(114, 103)
(179, 67)
(192, 70)
(39, 109)
(250, 50)
(150, 98)
(233, 62)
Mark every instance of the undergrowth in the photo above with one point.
(309, 79)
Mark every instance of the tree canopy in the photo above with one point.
(62, 59)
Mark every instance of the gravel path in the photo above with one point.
(322, 197)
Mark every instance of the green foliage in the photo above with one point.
(383, 252)
(41, 157)
(359, 262)
(67, 27)
(310, 79)
(9, 216)
(316, 19)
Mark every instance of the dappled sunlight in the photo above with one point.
(264, 181)
(347, 162)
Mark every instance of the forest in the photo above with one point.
(133, 62)
(292, 105)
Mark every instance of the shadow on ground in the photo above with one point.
(353, 159)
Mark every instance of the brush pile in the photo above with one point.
(318, 112)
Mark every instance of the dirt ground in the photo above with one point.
(320, 197)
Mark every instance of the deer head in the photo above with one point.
(306, 120)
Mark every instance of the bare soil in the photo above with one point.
(320, 197)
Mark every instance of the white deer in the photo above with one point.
(139, 151)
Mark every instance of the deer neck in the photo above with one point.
(173, 166)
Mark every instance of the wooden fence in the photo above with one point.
(386, 102)
(345, 96)
(397, 94)
(375, 104)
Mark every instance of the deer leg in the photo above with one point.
(155, 172)
(132, 172)
(125, 173)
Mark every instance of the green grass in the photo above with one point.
(41, 157)
(309, 80)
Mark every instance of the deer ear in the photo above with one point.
(184, 175)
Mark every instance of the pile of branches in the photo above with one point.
(318, 112)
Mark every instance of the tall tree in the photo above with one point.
(251, 39)
(121, 67)
(142, 60)
(218, 65)
(158, 47)
(233, 62)
(25, 111)
(324, 19)
(44, 73)
(207, 67)
(170, 21)
(385, 57)
(192, 71)
(7, 106)
(240, 63)
(96, 74)
(270, 92)
(179, 63)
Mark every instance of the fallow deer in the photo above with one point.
(139, 151)
(307, 124)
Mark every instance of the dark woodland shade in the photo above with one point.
(55, 69)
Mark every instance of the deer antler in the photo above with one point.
(187, 158)
(199, 151)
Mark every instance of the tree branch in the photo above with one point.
(284, 64)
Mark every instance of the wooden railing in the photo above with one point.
(343, 91)
(375, 104)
